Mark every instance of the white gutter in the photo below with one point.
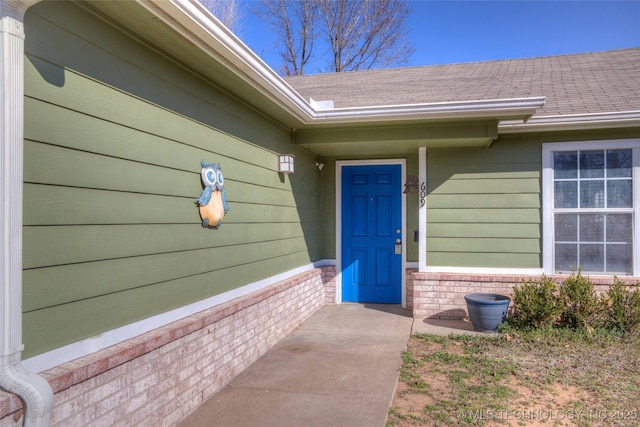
(522, 107)
(34, 390)
(572, 122)
(196, 24)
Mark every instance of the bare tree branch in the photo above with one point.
(295, 24)
(227, 11)
(366, 33)
(359, 34)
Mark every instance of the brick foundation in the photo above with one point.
(329, 280)
(162, 376)
(441, 295)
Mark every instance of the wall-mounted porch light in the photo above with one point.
(285, 163)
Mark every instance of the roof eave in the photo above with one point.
(612, 120)
(194, 22)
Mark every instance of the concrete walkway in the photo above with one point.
(339, 368)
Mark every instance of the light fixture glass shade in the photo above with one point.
(285, 163)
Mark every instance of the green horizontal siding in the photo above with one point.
(483, 260)
(136, 130)
(485, 201)
(62, 324)
(65, 283)
(483, 216)
(471, 230)
(51, 246)
(488, 186)
(484, 244)
(114, 136)
(65, 40)
(483, 207)
(48, 205)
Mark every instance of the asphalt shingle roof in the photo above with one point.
(598, 82)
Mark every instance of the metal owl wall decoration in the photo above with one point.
(213, 200)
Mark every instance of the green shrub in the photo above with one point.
(544, 306)
(580, 305)
(536, 303)
(623, 308)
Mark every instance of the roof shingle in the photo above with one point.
(598, 82)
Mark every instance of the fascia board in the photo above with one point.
(195, 23)
(572, 122)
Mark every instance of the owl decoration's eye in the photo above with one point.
(219, 178)
(209, 176)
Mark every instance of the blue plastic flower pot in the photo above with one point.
(487, 311)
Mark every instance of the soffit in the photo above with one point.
(395, 139)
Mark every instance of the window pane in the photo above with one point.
(591, 228)
(592, 164)
(565, 164)
(566, 228)
(566, 194)
(619, 228)
(592, 194)
(591, 257)
(618, 163)
(619, 193)
(566, 257)
(619, 259)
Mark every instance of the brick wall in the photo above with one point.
(162, 376)
(329, 280)
(441, 295)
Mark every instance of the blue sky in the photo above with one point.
(455, 31)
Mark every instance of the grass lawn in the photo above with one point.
(551, 377)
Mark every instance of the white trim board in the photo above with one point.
(485, 270)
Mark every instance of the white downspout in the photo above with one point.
(34, 391)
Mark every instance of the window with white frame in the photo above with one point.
(590, 207)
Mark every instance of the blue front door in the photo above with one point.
(371, 232)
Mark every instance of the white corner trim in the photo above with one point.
(422, 209)
(11, 176)
(34, 391)
(61, 355)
